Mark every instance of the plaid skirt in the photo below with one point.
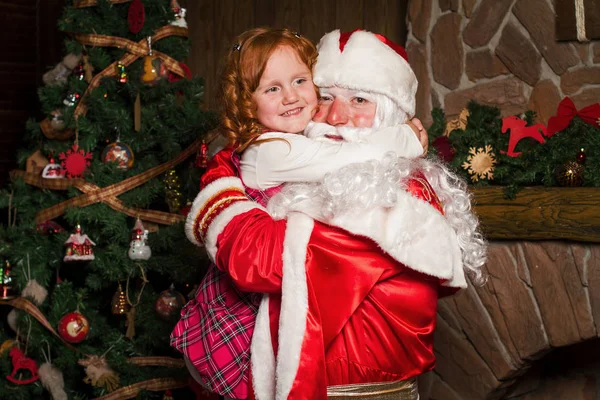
(215, 332)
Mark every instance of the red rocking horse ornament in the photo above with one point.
(19, 362)
(519, 131)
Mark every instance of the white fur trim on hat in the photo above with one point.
(366, 64)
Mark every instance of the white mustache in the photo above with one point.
(319, 131)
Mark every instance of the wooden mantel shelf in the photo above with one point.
(539, 213)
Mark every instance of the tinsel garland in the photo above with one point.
(538, 163)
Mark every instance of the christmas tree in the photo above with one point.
(94, 252)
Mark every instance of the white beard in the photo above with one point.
(370, 199)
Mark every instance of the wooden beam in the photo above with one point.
(539, 213)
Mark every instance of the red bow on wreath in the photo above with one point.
(566, 112)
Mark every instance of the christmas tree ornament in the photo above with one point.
(179, 15)
(173, 77)
(152, 66)
(98, 373)
(136, 16)
(73, 327)
(79, 247)
(138, 249)
(53, 170)
(119, 303)
(480, 163)
(88, 68)
(78, 72)
(49, 228)
(6, 346)
(34, 291)
(202, 156)
(75, 161)
(119, 153)
(137, 113)
(173, 195)
(60, 73)
(169, 303)
(21, 362)
(168, 395)
(519, 131)
(6, 286)
(121, 73)
(57, 122)
(71, 99)
(52, 380)
(36, 162)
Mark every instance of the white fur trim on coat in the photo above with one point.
(262, 355)
(294, 302)
(223, 218)
(366, 64)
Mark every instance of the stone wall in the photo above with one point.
(540, 296)
(497, 52)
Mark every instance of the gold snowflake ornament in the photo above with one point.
(480, 163)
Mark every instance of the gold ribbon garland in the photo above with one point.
(136, 50)
(154, 385)
(94, 194)
(126, 392)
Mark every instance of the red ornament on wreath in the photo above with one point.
(73, 327)
(75, 161)
(519, 131)
(136, 16)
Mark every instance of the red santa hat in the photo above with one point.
(362, 60)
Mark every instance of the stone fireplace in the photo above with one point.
(531, 332)
(497, 52)
(541, 304)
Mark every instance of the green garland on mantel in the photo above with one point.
(538, 163)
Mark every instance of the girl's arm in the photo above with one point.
(300, 159)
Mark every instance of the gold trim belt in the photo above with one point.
(399, 390)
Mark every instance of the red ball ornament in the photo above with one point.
(73, 327)
(169, 303)
(173, 77)
(136, 16)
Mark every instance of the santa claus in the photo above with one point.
(351, 268)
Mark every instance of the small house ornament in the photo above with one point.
(79, 247)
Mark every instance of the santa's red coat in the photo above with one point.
(338, 309)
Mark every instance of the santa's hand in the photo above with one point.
(417, 127)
